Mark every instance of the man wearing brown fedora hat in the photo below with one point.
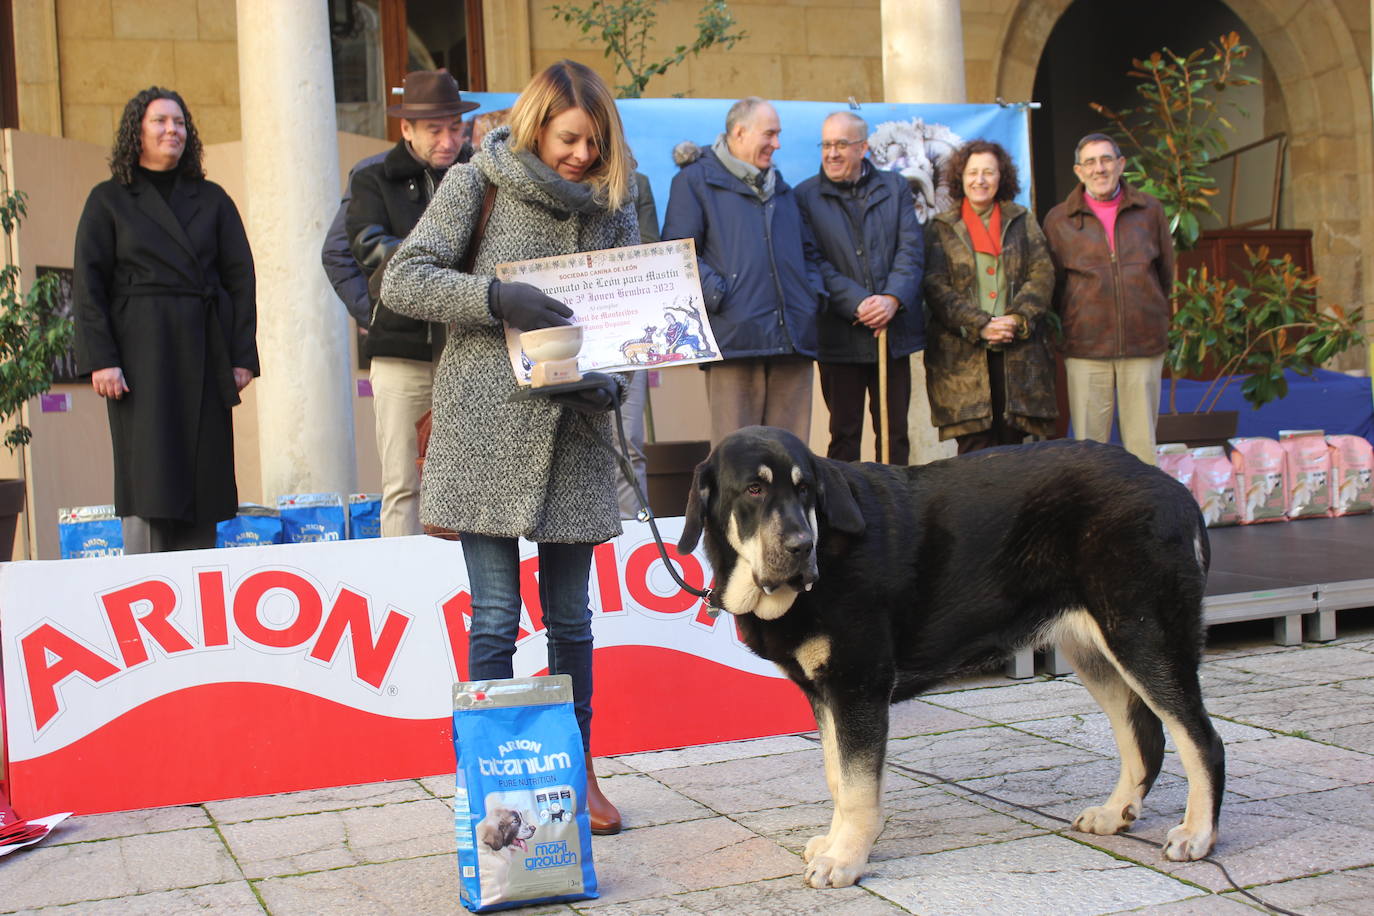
(388, 200)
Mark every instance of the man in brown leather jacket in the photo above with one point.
(1114, 267)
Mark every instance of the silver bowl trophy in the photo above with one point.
(553, 353)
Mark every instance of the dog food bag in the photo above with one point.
(1214, 486)
(1308, 474)
(1174, 459)
(89, 531)
(252, 526)
(364, 516)
(312, 517)
(1352, 475)
(1261, 491)
(520, 809)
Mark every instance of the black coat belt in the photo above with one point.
(217, 350)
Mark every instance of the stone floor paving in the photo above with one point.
(983, 778)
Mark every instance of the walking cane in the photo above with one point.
(884, 450)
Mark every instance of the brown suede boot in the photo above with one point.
(604, 817)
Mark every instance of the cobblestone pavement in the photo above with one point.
(980, 779)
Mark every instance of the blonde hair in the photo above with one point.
(565, 85)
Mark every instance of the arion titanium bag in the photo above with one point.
(520, 809)
(307, 517)
(251, 526)
(90, 531)
(364, 516)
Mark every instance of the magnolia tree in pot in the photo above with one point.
(33, 336)
(1176, 131)
(1255, 329)
(1268, 321)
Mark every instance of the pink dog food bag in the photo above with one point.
(1307, 473)
(1261, 492)
(1352, 475)
(1214, 486)
(1174, 460)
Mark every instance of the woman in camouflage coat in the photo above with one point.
(988, 283)
(496, 471)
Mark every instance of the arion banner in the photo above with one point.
(913, 139)
(175, 678)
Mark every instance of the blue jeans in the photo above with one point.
(494, 577)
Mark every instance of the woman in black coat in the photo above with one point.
(166, 323)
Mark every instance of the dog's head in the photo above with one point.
(763, 501)
(504, 827)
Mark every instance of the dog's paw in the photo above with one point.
(1106, 820)
(816, 846)
(824, 871)
(1184, 845)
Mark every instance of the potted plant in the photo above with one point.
(33, 336)
(1177, 130)
(1253, 329)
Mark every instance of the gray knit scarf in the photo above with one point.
(759, 181)
(577, 196)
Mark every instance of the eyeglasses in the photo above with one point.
(1105, 161)
(838, 145)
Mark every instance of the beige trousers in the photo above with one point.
(1130, 387)
(759, 391)
(401, 393)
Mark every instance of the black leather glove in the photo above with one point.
(590, 401)
(526, 307)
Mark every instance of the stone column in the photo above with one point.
(291, 173)
(37, 78)
(923, 61)
(506, 33)
(923, 51)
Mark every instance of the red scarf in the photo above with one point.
(986, 239)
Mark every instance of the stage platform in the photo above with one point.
(1299, 573)
(1289, 571)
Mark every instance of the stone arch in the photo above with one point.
(1325, 88)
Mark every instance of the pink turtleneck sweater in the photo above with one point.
(1105, 211)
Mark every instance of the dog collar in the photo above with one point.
(713, 605)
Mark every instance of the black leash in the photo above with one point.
(622, 459)
(646, 514)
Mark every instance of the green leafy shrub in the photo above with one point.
(33, 335)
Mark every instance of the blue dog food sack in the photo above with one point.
(253, 526)
(90, 531)
(520, 810)
(364, 516)
(309, 517)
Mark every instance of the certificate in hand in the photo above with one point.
(638, 306)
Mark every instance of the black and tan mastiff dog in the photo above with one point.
(868, 584)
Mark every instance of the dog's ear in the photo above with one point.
(697, 501)
(489, 834)
(835, 500)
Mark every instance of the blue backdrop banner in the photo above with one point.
(912, 139)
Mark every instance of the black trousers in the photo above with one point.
(1001, 432)
(843, 385)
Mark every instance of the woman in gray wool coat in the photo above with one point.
(497, 471)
